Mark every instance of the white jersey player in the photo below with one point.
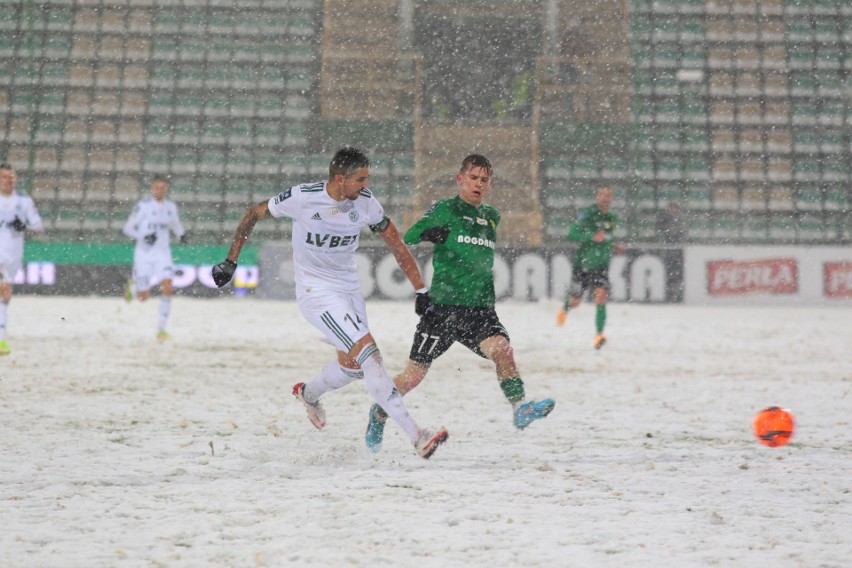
(18, 214)
(327, 222)
(151, 224)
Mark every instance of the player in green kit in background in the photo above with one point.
(593, 229)
(464, 231)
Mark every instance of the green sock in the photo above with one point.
(600, 318)
(513, 388)
(566, 305)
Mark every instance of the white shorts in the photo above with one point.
(8, 270)
(340, 316)
(150, 272)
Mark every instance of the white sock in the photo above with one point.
(4, 306)
(383, 391)
(165, 306)
(332, 377)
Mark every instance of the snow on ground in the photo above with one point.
(117, 451)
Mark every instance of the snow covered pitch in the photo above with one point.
(118, 451)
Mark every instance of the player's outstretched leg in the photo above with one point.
(315, 411)
(375, 433)
(429, 442)
(529, 412)
(383, 391)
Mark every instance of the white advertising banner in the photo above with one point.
(768, 275)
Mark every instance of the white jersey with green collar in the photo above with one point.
(12, 241)
(326, 233)
(152, 216)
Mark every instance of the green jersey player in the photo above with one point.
(594, 230)
(460, 304)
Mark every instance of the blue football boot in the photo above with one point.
(375, 429)
(529, 412)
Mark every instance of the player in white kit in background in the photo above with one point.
(151, 224)
(18, 214)
(327, 222)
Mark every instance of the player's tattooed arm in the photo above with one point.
(244, 228)
(224, 271)
(402, 254)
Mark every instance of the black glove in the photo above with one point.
(150, 239)
(184, 239)
(423, 304)
(437, 235)
(18, 225)
(223, 272)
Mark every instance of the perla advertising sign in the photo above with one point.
(648, 275)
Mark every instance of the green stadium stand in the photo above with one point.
(198, 90)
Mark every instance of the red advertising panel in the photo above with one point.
(837, 277)
(763, 276)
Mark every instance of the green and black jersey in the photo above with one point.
(464, 263)
(592, 255)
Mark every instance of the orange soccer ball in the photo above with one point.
(773, 426)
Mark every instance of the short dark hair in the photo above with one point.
(6, 166)
(160, 177)
(347, 161)
(476, 161)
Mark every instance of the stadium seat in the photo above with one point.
(808, 199)
(643, 169)
(268, 133)
(810, 228)
(238, 164)
(753, 199)
(837, 199)
(240, 106)
(698, 228)
(558, 169)
(668, 140)
(240, 133)
(782, 229)
(834, 169)
(832, 114)
(726, 228)
(669, 169)
(186, 132)
(267, 163)
(696, 140)
(558, 195)
(184, 161)
(213, 132)
(49, 132)
(68, 219)
(778, 141)
(557, 223)
(212, 162)
(755, 229)
(668, 194)
(294, 167)
(806, 170)
(781, 199)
